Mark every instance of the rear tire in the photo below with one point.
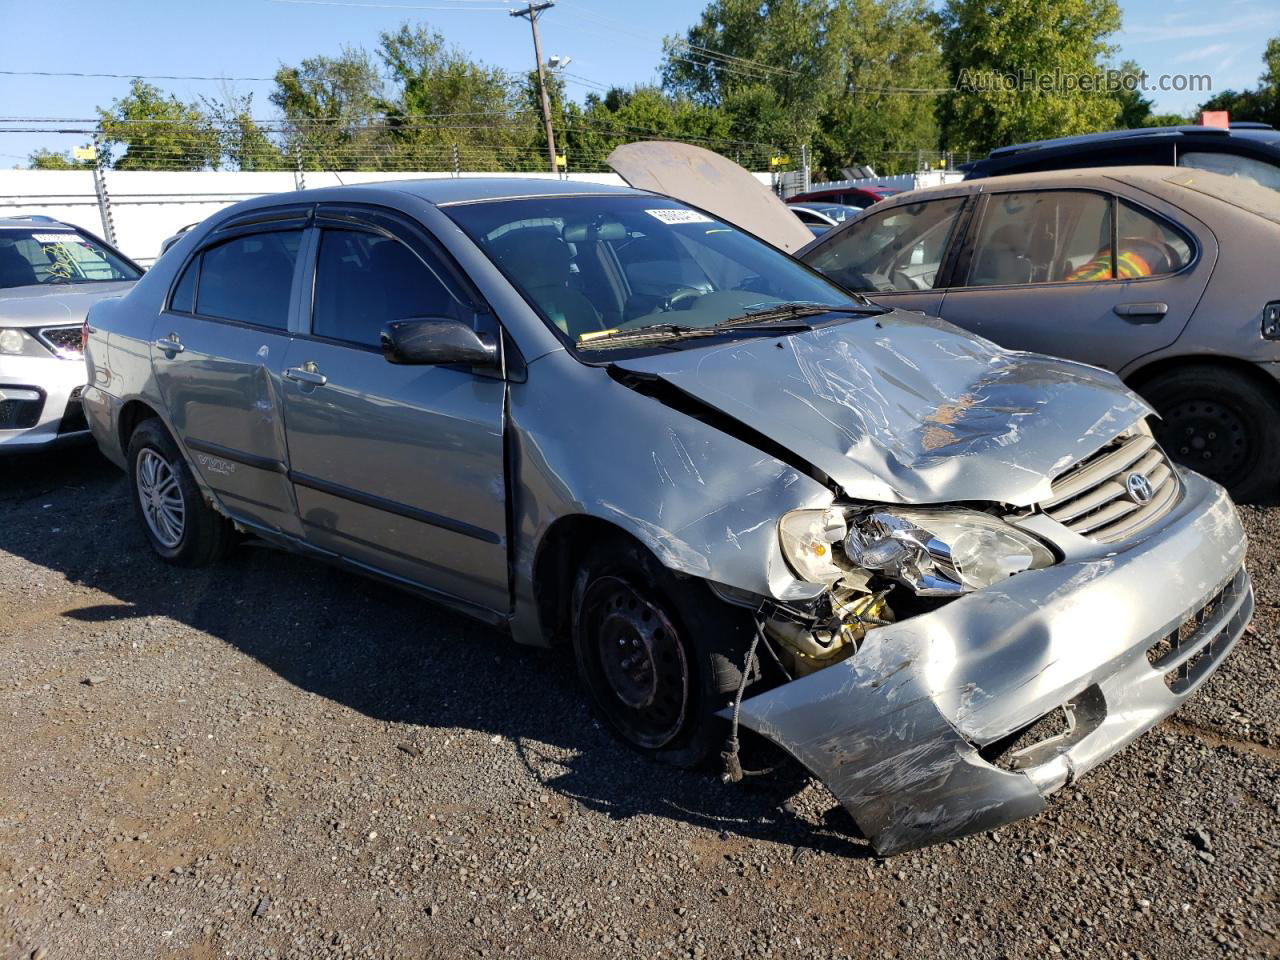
(1221, 424)
(659, 655)
(180, 526)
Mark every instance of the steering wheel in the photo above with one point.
(681, 295)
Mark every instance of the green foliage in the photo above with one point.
(982, 39)
(592, 130)
(330, 105)
(157, 132)
(50, 160)
(242, 143)
(1135, 109)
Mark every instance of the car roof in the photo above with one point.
(446, 190)
(22, 222)
(1166, 182)
(1251, 131)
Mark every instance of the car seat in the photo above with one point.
(543, 269)
(15, 271)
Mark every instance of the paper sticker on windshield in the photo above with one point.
(679, 216)
(56, 238)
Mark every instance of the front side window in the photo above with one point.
(366, 280)
(898, 249)
(1233, 165)
(30, 257)
(249, 278)
(595, 265)
(1043, 236)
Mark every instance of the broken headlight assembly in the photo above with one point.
(936, 551)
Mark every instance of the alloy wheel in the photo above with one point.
(160, 497)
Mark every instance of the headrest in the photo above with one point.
(534, 260)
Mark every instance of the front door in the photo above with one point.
(399, 468)
(217, 352)
(1077, 274)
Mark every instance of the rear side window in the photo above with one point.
(899, 249)
(249, 278)
(1154, 246)
(365, 281)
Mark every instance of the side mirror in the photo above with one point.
(436, 340)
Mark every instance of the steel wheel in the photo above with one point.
(160, 497)
(1209, 437)
(639, 658)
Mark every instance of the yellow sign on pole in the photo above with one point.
(779, 161)
(561, 161)
(85, 153)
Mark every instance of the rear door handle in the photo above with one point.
(169, 344)
(1142, 312)
(307, 373)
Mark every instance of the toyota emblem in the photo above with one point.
(1139, 488)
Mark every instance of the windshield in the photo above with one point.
(595, 265)
(32, 257)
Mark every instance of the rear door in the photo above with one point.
(399, 468)
(1082, 274)
(898, 257)
(217, 351)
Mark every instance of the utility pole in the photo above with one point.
(531, 11)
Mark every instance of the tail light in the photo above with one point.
(84, 337)
(1271, 321)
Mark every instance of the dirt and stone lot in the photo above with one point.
(274, 759)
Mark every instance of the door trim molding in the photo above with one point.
(270, 464)
(393, 506)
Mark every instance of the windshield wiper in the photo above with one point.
(655, 332)
(801, 308)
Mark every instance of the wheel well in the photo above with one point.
(1139, 379)
(556, 564)
(132, 414)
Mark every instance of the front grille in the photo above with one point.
(73, 418)
(1092, 499)
(64, 341)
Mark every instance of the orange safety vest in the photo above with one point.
(1128, 266)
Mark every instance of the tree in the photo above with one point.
(643, 112)
(157, 132)
(1135, 109)
(447, 102)
(331, 109)
(1260, 104)
(242, 143)
(45, 159)
(1019, 67)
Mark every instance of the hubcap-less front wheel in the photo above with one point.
(161, 498)
(640, 660)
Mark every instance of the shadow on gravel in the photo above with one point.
(383, 653)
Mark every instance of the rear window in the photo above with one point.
(249, 279)
(58, 256)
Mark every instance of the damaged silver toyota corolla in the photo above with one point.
(948, 578)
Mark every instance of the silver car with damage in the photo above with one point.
(947, 577)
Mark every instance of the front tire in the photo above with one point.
(1220, 424)
(180, 526)
(659, 655)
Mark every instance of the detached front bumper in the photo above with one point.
(906, 732)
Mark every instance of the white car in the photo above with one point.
(50, 274)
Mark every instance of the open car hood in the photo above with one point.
(902, 408)
(713, 183)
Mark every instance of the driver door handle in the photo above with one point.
(1142, 312)
(169, 344)
(307, 373)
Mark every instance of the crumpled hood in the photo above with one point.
(44, 306)
(909, 409)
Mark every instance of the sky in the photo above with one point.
(610, 43)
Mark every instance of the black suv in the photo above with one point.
(1247, 150)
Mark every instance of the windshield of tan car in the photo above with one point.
(35, 256)
(590, 264)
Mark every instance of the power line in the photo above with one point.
(385, 6)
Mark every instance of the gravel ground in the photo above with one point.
(273, 759)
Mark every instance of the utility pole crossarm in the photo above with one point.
(531, 11)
